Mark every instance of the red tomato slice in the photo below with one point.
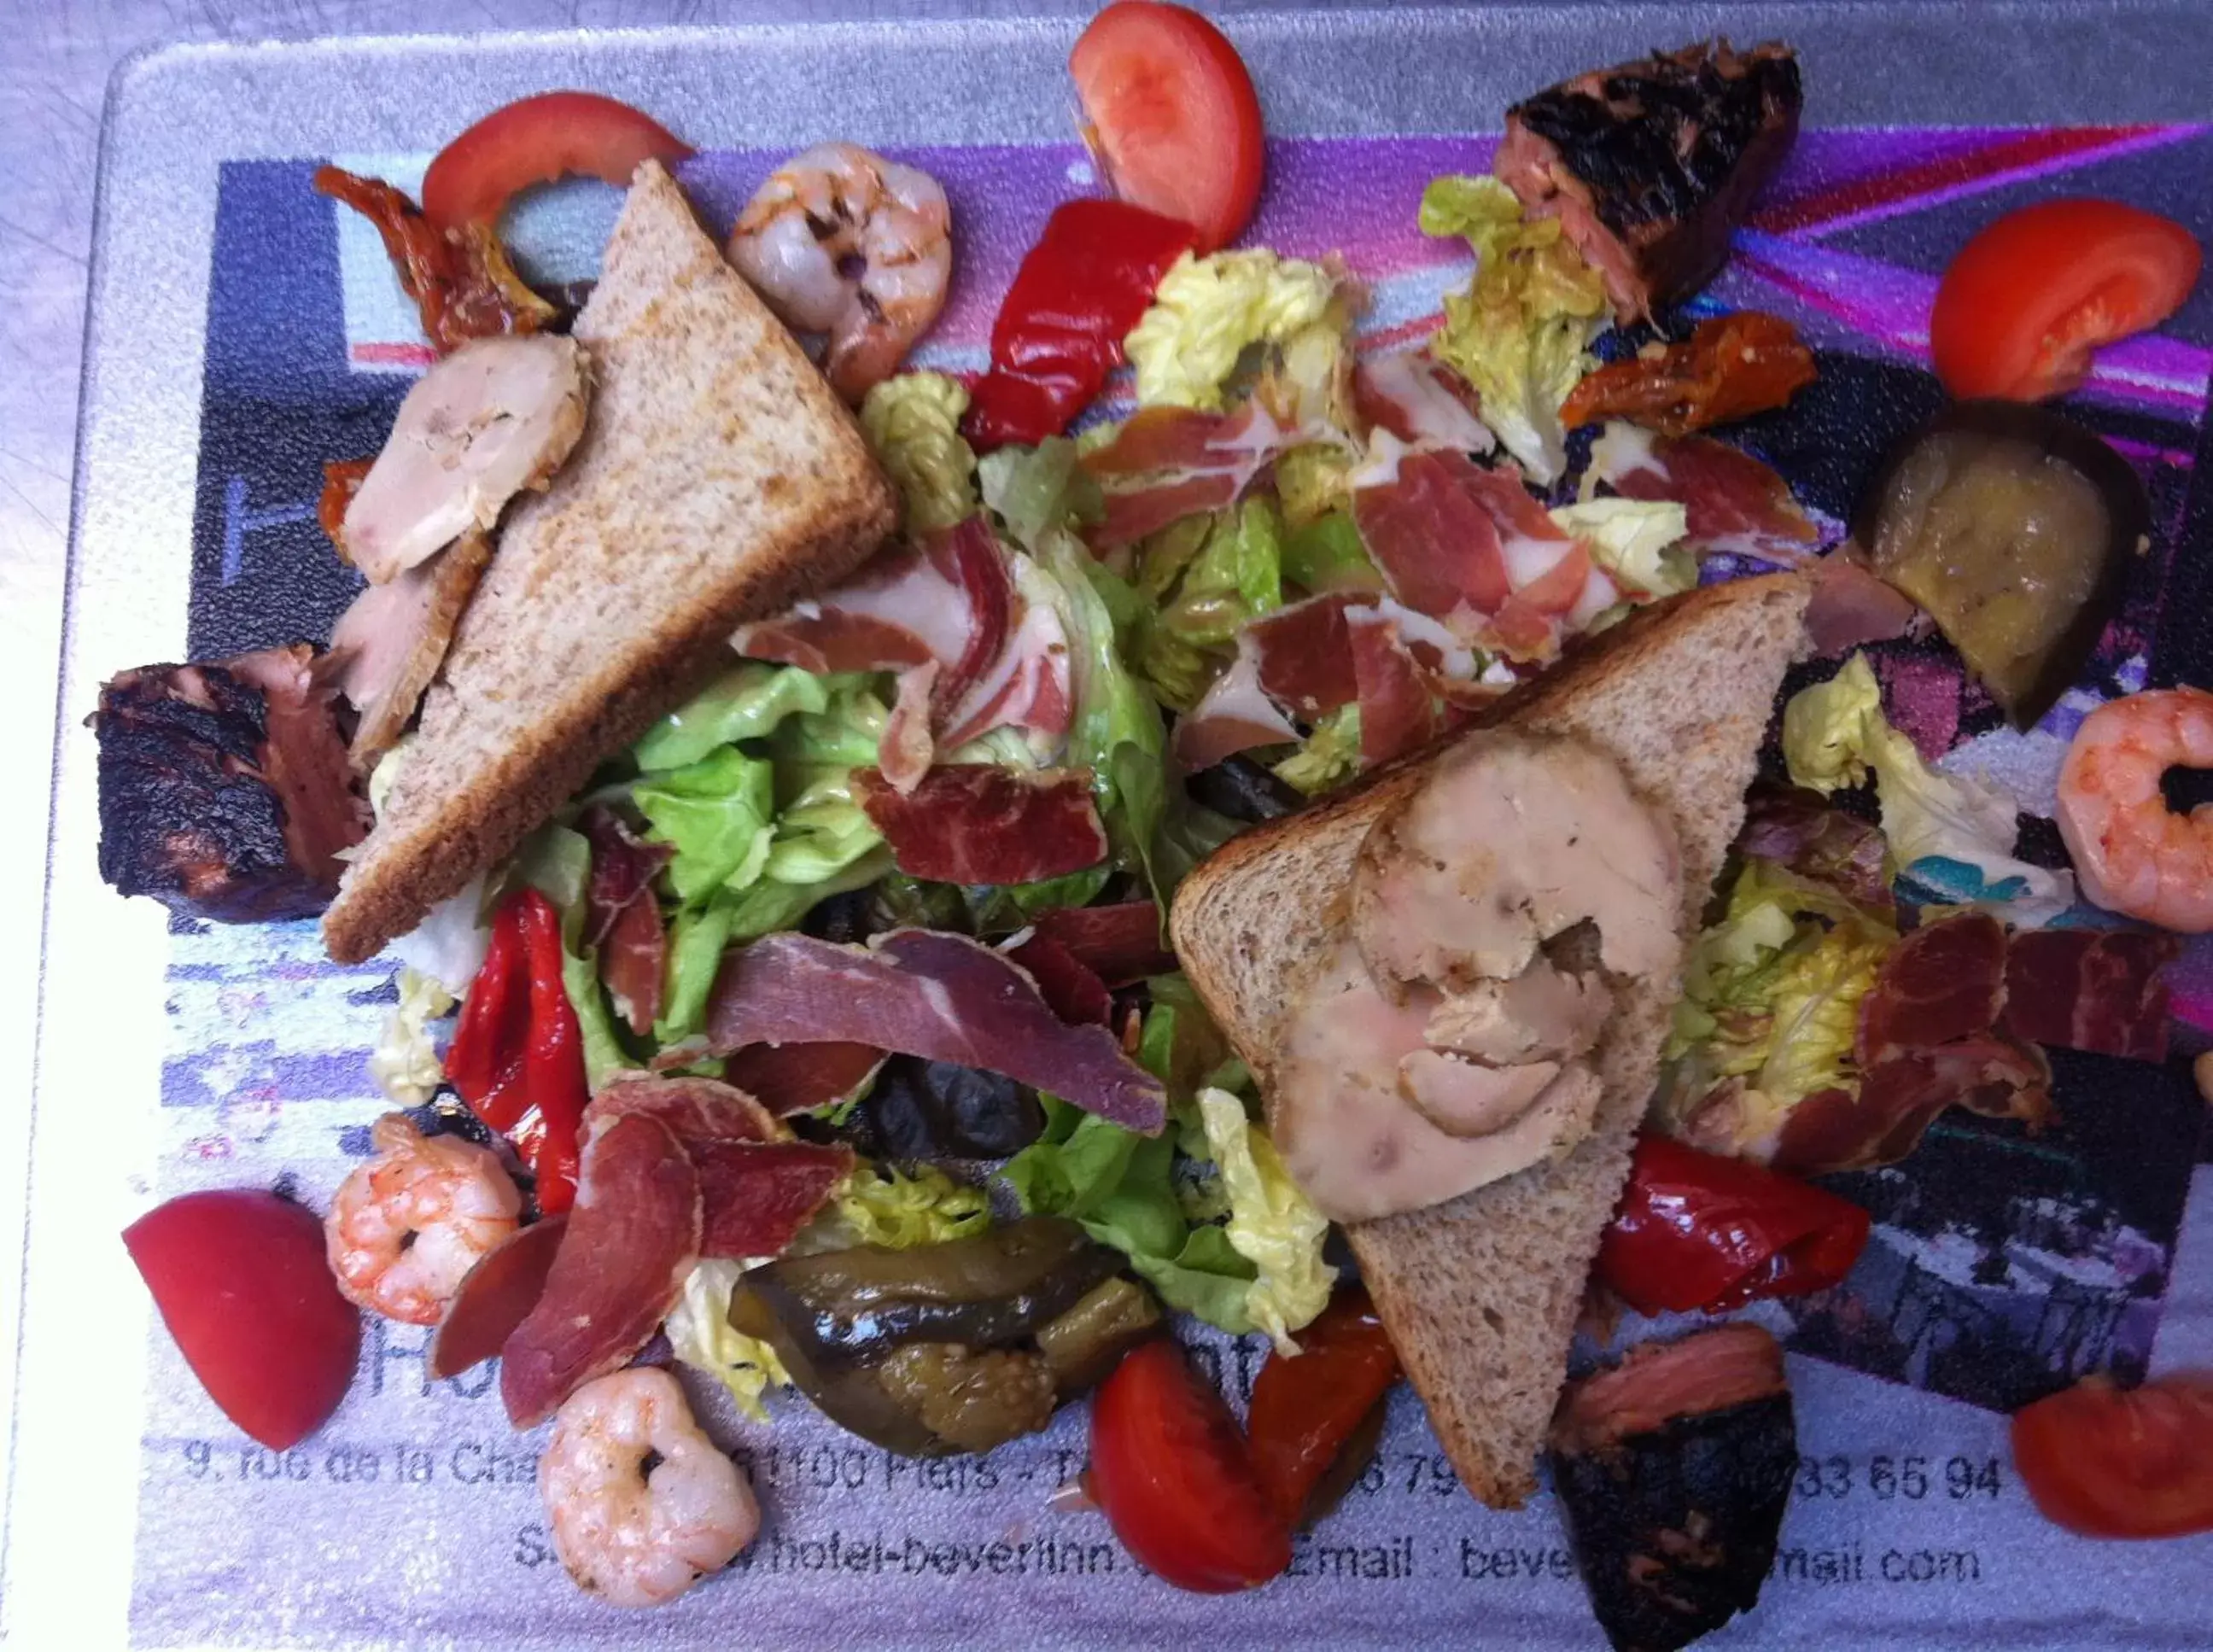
(2026, 301)
(1171, 111)
(241, 1282)
(535, 141)
(1305, 1408)
(2116, 1462)
(1170, 1469)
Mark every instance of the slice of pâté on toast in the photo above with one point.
(1480, 1294)
(718, 479)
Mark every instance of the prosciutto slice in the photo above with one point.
(757, 1196)
(1397, 712)
(1071, 986)
(1120, 943)
(496, 1295)
(758, 1187)
(2102, 990)
(940, 997)
(1234, 714)
(1167, 463)
(1304, 653)
(1471, 548)
(789, 1078)
(622, 919)
(1421, 401)
(1735, 505)
(633, 1235)
(979, 823)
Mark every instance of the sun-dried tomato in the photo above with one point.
(1731, 368)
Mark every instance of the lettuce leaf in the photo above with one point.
(604, 1052)
(1271, 1224)
(748, 702)
(719, 813)
(912, 423)
(1208, 312)
(881, 1204)
(1313, 480)
(404, 1063)
(1952, 835)
(701, 1335)
(1329, 755)
(1038, 490)
(1520, 332)
(1326, 555)
(1635, 541)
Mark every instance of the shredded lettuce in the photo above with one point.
(1329, 755)
(1952, 835)
(748, 703)
(1271, 1224)
(404, 1063)
(1038, 490)
(1207, 312)
(701, 1335)
(1636, 540)
(913, 422)
(1520, 332)
(880, 1204)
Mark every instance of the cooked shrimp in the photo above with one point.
(2133, 853)
(642, 1504)
(405, 1227)
(844, 242)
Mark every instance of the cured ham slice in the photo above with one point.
(1851, 608)
(1303, 654)
(2102, 990)
(1071, 986)
(622, 919)
(972, 653)
(1120, 943)
(1167, 463)
(757, 1196)
(1471, 548)
(1944, 981)
(789, 1078)
(1421, 401)
(692, 1110)
(495, 1297)
(1397, 712)
(940, 997)
(1735, 505)
(979, 823)
(633, 1235)
(1234, 714)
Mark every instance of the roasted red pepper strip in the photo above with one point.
(1696, 1231)
(484, 1061)
(554, 1060)
(1305, 1408)
(1059, 331)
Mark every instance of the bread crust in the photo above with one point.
(1481, 1293)
(718, 480)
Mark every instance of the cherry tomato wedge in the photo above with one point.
(1305, 1408)
(2026, 301)
(535, 140)
(1170, 109)
(241, 1282)
(2121, 1462)
(1170, 1470)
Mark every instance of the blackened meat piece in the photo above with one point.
(1674, 1469)
(1651, 166)
(224, 788)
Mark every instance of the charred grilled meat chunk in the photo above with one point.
(1674, 1469)
(224, 788)
(1651, 166)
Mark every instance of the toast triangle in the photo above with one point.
(1480, 1294)
(718, 479)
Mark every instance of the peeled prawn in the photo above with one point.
(642, 1504)
(2133, 853)
(843, 243)
(405, 1228)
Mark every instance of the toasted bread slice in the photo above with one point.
(1481, 1293)
(718, 479)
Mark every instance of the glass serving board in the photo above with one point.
(243, 331)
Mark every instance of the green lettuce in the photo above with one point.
(719, 813)
(1313, 480)
(1208, 312)
(1272, 1224)
(1326, 555)
(880, 1204)
(604, 1051)
(1035, 491)
(1520, 332)
(748, 702)
(1329, 756)
(404, 1063)
(912, 422)
(1639, 541)
(1952, 835)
